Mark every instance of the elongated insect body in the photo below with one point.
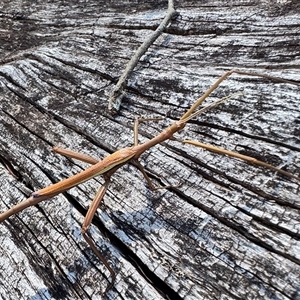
(108, 166)
(117, 158)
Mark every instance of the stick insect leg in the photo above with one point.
(138, 164)
(151, 185)
(189, 112)
(103, 260)
(72, 154)
(136, 125)
(86, 224)
(273, 78)
(246, 158)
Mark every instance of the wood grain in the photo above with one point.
(231, 230)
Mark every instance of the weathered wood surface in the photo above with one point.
(230, 231)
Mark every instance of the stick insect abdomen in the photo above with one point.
(117, 158)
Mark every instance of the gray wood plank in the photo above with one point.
(231, 230)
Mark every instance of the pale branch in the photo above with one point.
(118, 92)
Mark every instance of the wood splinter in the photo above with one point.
(109, 165)
(118, 92)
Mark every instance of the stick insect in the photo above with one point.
(110, 164)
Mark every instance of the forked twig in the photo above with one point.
(110, 164)
(118, 92)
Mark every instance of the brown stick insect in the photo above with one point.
(110, 164)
